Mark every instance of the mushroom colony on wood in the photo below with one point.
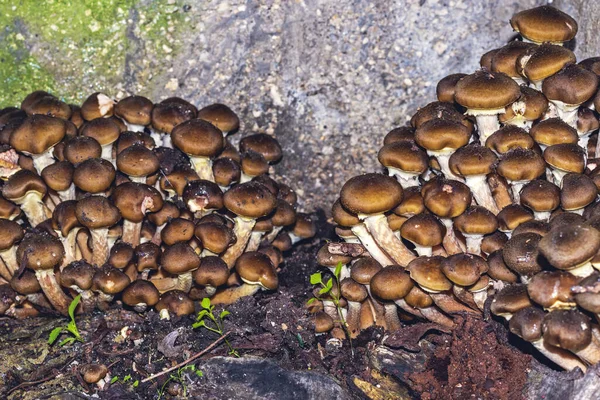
(148, 204)
(490, 199)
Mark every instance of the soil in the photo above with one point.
(474, 360)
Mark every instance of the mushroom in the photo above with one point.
(405, 161)
(362, 272)
(220, 116)
(425, 231)
(401, 134)
(94, 373)
(106, 132)
(215, 237)
(541, 62)
(504, 60)
(97, 105)
(59, 177)
(97, 213)
(161, 217)
(226, 172)
(391, 285)
(81, 148)
(11, 233)
(552, 289)
(541, 197)
(203, 197)
(578, 191)
(211, 274)
(509, 300)
(571, 330)
(174, 302)
(27, 189)
(544, 24)
(446, 87)
(521, 255)
(137, 162)
(135, 111)
(181, 260)
(65, 218)
(108, 282)
(331, 261)
(202, 142)
(531, 106)
(79, 276)
(511, 217)
(564, 158)
(518, 167)
(140, 295)
(148, 257)
(474, 224)
(355, 294)
(95, 176)
(303, 228)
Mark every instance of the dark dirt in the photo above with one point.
(272, 326)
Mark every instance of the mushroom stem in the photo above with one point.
(481, 192)
(134, 127)
(480, 298)
(448, 304)
(231, 295)
(41, 161)
(516, 187)
(582, 270)
(542, 215)
(567, 112)
(9, 256)
(203, 167)
(164, 284)
(473, 243)
(34, 208)
(391, 317)
(432, 314)
(82, 238)
(184, 282)
(107, 150)
(353, 318)
(52, 290)
(242, 230)
(561, 357)
(558, 175)
(486, 125)
(450, 241)
(131, 232)
(464, 296)
(70, 244)
(344, 272)
(68, 194)
(156, 238)
(583, 143)
(100, 243)
(254, 241)
(382, 233)
(423, 251)
(5, 274)
(406, 179)
(408, 308)
(443, 158)
(245, 177)
(273, 234)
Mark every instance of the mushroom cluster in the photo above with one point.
(491, 193)
(147, 203)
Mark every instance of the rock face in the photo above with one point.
(328, 78)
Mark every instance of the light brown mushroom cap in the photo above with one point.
(472, 160)
(81, 148)
(140, 292)
(427, 272)
(512, 216)
(51, 106)
(493, 242)
(137, 161)
(364, 269)
(93, 373)
(175, 302)
(257, 269)
(40, 251)
(37, 134)
(94, 175)
(330, 260)
(353, 291)
(10, 234)
(464, 269)
(577, 191)
(215, 237)
(97, 105)
(571, 85)
(508, 138)
(26, 283)
(484, 90)
(96, 212)
(510, 299)
(78, 273)
(121, 255)
(531, 106)
(418, 298)
(400, 134)
(567, 329)
(438, 134)
(553, 131)
(104, 130)
(424, 230)
(177, 230)
(476, 220)
(220, 116)
(391, 283)
(179, 259)
(543, 61)
(263, 144)
(412, 202)
(540, 195)
(498, 270)
(21, 183)
(446, 198)
(552, 289)
(446, 87)
(323, 322)
(405, 156)
(135, 110)
(437, 109)
(505, 58)
(201, 195)
(566, 157)
(171, 112)
(110, 280)
(527, 323)
(535, 226)
(520, 165)
(212, 272)
(198, 138)
(544, 24)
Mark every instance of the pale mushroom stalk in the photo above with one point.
(9, 256)
(242, 230)
(184, 282)
(70, 244)
(391, 317)
(382, 233)
(451, 243)
(464, 296)
(481, 192)
(273, 234)
(68, 194)
(5, 273)
(230, 295)
(41, 161)
(473, 243)
(582, 270)
(487, 122)
(564, 358)
(353, 318)
(203, 167)
(245, 177)
(408, 308)
(344, 272)
(557, 176)
(448, 304)
(254, 241)
(132, 232)
(567, 112)
(406, 179)
(433, 314)
(100, 243)
(443, 158)
(52, 290)
(134, 127)
(83, 250)
(34, 208)
(542, 215)
(516, 187)
(423, 251)
(371, 245)
(107, 154)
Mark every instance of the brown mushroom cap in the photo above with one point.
(567, 329)
(534, 225)
(585, 293)
(21, 183)
(198, 138)
(512, 216)
(400, 134)
(330, 260)
(543, 61)
(568, 246)
(464, 269)
(168, 211)
(438, 134)
(64, 216)
(51, 106)
(263, 144)
(257, 269)
(93, 373)
(140, 292)
(427, 272)
(104, 130)
(472, 160)
(96, 106)
(527, 323)
(40, 251)
(552, 289)
(110, 280)
(508, 138)
(226, 171)
(137, 161)
(201, 195)
(566, 157)
(571, 85)
(521, 164)
(505, 58)
(177, 230)
(176, 302)
(424, 230)
(391, 283)
(553, 131)
(94, 175)
(540, 195)
(78, 273)
(412, 202)
(493, 242)
(371, 194)
(323, 322)
(212, 272)
(441, 110)
(446, 87)
(37, 134)
(179, 259)
(364, 269)
(26, 283)
(81, 148)
(521, 254)
(134, 110)
(446, 198)
(531, 106)
(485, 61)
(148, 256)
(476, 220)
(510, 299)
(577, 192)
(484, 90)
(10, 234)
(214, 237)
(220, 116)
(406, 156)
(171, 112)
(341, 216)
(96, 212)
(498, 269)
(544, 24)
(250, 200)
(121, 255)
(353, 291)
(134, 200)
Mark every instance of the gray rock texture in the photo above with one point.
(327, 78)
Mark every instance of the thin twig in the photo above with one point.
(54, 374)
(192, 358)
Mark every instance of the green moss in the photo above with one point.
(75, 47)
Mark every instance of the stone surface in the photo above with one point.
(328, 78)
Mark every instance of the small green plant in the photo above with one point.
(178, 376)
(69, 329)
(334, 296)
(206, 315)
(127, 378)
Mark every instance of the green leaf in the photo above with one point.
(315, 278)
(199, 374)
(126, 378)
(329, 284)
(205, 303)
(72, 327)
(201, 315)
(310, 301)
(135, 384)
(68, 340)
(198, 324)
(324, 290)
(114, 379)
(224, 313)
(54, 334)
(338, 270)
(73, 306)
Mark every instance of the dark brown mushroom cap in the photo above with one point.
(226, 171)
(32, 97)
(364, 269)
(553, 131)
(543, 61)
(250, 200)
(508, 138)
(94, 175)
(93, 373)
(567, 329)
(81, 148)
(406, 156)
(505, 59)
(26, 283)
(137, 161)
(521, 254)
(203, 195)
(498, 270)
(58, 176)
(284, 215)
(140, 292)
(134, 200)
(586, 293)
(263, 144)
(51, 106)
(134, 110)
(95, 212)
(472, 160)
(493, 242)
(540, 195)
(586, 121)
(96, 106)
(353, 291)
(171, 112)
(591, 64)
(213, 271)
(220, 116)
(544, 24)
(254, 164)
(342, 216)
(552, 289)
(121, 255)
(179, 259)
(199, 138)
(215, 237)
(391, 283)
(531, 106)
(269, 182)
(10, 234)
(177, 230)
(371, 194)
(446, 198)
(577, 192)
(176, 302)
(521, 165)
(110, 280)
(168, 211)
(104, 130)
(437, 109)
(256, 268)
(40, 251)
(128, 139)
(527, 323)
(446, 87)
(78, 273)
(327, 259)
(64, 216)
(323, 322)
(560, 218)
(21, 183)
(571, 85)
(148, 256)
(438, 134)
(566, 157)
(400, 134)
(568, 246)
(485, 61)
(178, 179)
(424, 230)
(464, 269)
(484, 90)
(476, 220)
(534, 225)
(427, 272)
(37, 134)
(510, 299)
